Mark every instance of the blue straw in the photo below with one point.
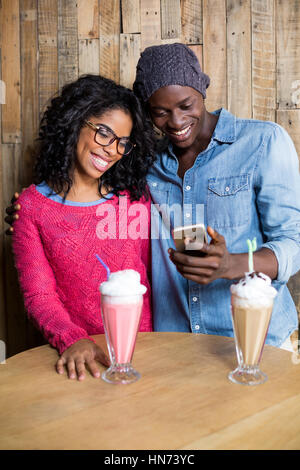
(104, 265)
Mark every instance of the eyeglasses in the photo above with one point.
(104, 136)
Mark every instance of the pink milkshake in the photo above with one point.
(121, 308)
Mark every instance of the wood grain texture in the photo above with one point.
(191, 22)
(131, 16)
(48, 53)
(239, 57)
(130, 49)
(288, 57)
(88, 19)
(214, 52)
(150, 23)
(67, 42)
(29, 81)
(109, 30)
(10, 63)
(263, 60)
(88, 56)
(170, 19)
(185, 383)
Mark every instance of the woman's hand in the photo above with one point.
(216, 264)
(11, 212)
(81, 355)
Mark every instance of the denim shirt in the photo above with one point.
(245, 184)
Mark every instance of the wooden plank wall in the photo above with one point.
(250, 49)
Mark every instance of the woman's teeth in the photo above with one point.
(99, 161)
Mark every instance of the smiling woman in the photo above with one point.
(96, 146)
(65, 132)
(96, 153)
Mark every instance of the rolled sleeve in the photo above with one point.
(278, 201)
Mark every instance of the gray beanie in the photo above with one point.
(168, 64)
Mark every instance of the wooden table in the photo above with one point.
(183, 400)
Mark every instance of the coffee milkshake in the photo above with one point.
(121, 308)
(252, 303)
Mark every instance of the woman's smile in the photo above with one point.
(99, 162)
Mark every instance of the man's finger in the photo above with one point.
(183, 269)
(193, 261)
(10, 210)
(9, 219)
(9, 231)
(14, 198)
(214, 235)
(182, 258)
(199, 279)
(214, 249)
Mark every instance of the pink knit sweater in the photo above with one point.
(55, 247)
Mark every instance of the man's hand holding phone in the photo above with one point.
(190, 239)
(213, 263)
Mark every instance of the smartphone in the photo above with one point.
(190, 239)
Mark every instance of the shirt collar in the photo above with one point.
(225, 130)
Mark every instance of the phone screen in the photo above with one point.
(190, 239)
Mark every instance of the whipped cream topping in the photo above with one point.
(123, 283)
(255, 289)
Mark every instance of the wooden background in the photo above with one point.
(250, 49)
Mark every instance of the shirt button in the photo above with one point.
(227, 189)
(187, 187)
(197, 327)
(195, 299)
(154, 184)
(188, 215)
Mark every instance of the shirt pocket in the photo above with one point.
(160, 192)
(228, 201)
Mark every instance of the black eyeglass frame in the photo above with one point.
(96, 128)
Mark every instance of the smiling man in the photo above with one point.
(243, 174)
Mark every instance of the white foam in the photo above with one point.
(123, 283)
(255, 289)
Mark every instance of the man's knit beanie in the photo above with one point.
(168, 64)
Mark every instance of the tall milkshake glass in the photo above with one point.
(251, 309)
(121, 308)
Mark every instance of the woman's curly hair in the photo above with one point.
(91, 96)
